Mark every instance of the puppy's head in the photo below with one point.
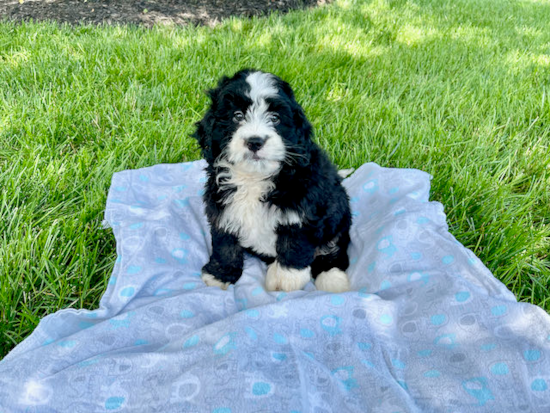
(254, 123)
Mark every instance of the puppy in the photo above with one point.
(271, 191)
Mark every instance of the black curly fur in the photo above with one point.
(307, 183)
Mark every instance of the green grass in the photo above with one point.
(460, 89)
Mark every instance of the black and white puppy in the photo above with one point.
(271, 191)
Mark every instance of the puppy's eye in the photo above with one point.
(238, 116)
(274, 118)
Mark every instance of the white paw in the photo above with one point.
(212, 281)
(334, 281)
(280, 278)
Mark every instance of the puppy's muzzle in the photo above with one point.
(255, 143)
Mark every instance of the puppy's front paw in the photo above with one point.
(333, 281)
(281, 278)
(212, 281)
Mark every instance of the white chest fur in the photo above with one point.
(247, 216)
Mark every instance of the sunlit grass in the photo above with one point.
(459, 89)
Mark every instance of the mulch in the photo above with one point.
(144, 12)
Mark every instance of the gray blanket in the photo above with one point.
(426, 327)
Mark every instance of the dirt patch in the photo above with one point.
(144, 12)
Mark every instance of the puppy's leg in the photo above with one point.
(291, 270)
(329, 269)
(226, 262)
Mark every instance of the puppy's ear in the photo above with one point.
(214, 94)
(205, 128)
(286, 89)
(304, 136)
(303, 128)
(203, 135)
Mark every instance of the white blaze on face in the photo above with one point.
(262, 85)
(246, 215)
(257, 124)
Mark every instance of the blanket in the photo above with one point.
(425, 328)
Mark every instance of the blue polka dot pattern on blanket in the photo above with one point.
(251, 333)
(531, 355)
(337, 300)
(225, 344)
(307, 333)
(438, 319)
(133, 269)
(127, 292)
(426, 326)
(539, 385)
(499, 369)
(191, 342)
(386, 319)
(114, 403)
(279, 338)
(331, 324)
(261, 388)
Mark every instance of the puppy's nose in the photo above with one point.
(255, 143)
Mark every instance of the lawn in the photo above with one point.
(460, 89)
